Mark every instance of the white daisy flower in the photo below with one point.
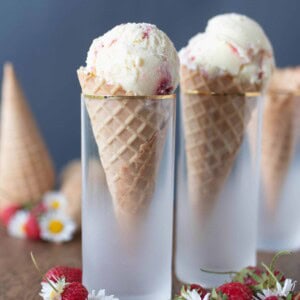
(57, 227)
(280, 290)
(193, 295)
(100, 296)
(16, 225)
(55, 201)
(49, 293)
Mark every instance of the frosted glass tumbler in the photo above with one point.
(279, 223)
(127, 218)
(217, 185)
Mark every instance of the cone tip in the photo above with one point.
(8, 69)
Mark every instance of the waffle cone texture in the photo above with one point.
(280, 132)
(130, 138)
(214, 127)
(26, 169)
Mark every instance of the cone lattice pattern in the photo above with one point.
(130, 135)
(277, 145)
(214, 127)
(26, 168)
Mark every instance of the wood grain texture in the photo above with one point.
(20, 280)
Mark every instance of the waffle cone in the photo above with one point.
(130, 138)
(71, 187)
(278, 145)
(26, 170)
(214, 128)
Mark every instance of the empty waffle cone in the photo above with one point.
(71, 185)
(279, 132)
(26, 169)
(130, 138)
(214, 127)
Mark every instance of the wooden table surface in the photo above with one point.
(19, 279)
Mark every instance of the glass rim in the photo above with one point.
(284, 92)
(207, 93)
(123, 97)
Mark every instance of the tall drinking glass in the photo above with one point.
(217, 185)
(127, 222)
(279, 223)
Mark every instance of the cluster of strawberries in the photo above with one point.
(63, 283)
(259, 283)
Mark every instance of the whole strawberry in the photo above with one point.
(70, 274)
(8, 212)
(32, 227)
(74, 291)
(235, 291)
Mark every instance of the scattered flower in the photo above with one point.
(55, 201)
(49, 293)
(57, 227)
(193, 295)
(280, 290)
(17, 223)
(100, 296)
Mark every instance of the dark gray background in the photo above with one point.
(47, 40)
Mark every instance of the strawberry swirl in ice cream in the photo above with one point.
(231, 44)
(140, 58)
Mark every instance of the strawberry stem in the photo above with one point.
(276, 256)
(38, 269)
(270, 271)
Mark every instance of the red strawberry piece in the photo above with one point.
(199, 289)
(281, 278)
(235, 291)
(74, 291)
(39, 209)
(296, 296)
(32, 228)
(70, 274)
(7, 213)
(249, 280)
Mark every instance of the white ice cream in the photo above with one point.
(231, 44)
(139, 57)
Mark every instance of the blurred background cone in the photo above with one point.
(280, 125)
(26, 169)
(130, 138)
(71, 186)
(214, 128)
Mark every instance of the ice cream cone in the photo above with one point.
(130, 138)
(279, 132)
(214, 127)
(71, 185)
(278, 145)
(26, 169)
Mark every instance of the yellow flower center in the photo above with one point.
(55, 204)
(55, 226)
(22, 228)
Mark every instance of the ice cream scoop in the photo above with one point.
(232, 57)
(232, 45)
(140, 58)
(130, 132)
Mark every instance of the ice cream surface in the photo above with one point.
(137, 56)
(231, 44)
